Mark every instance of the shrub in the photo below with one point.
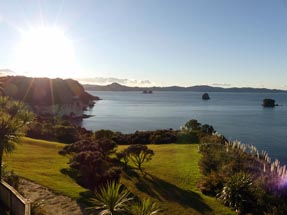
(108, 134)
(237, 193)
(111, 199)
(145, 207)
(92, 162)
(211, 184)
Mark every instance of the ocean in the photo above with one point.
(238, 116)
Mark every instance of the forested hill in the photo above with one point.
(44, 91)
(200, 88)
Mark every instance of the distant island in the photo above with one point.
(199, 88)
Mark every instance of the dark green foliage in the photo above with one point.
(163, 136)
(138, 154)
(194, 132)
(123, 157)
(56, 129)
(13, 119)
(111, 199)
(92, 162)
(104, 134)
(145, 207)
(66, 134)
(139, 137)
(238, 193)
(193, 125)
(207, 129)
(211, 184)
(93, 169)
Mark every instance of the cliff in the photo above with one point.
(45, 93)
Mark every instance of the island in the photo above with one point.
(268, 103)
(205, 96)
(147, 92)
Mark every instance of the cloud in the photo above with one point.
(221, 85)
(4, 72)
(109, 80)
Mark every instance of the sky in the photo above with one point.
(228, 43)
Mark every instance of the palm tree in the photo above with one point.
(13, 118)
(111, 199)
(145, 207)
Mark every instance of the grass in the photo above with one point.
(171, 176)
(39, 161)
(171, 179)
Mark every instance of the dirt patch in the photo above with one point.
(50, 202)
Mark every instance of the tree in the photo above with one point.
(123, 156)
(92, 161)
(207, 129)
(13, 118)
(111, 199)
(139, 154)
(192, 125)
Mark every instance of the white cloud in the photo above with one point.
(221, 85)
(109, 80)
(4, 72)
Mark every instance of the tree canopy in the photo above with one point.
(14, 116)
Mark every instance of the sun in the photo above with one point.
(45, 52)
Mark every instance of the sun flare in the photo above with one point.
(45, 52)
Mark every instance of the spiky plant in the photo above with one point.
(145, 207)
(111, 199)
(237, 192)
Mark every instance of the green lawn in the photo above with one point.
(171, 178)
(39, 161)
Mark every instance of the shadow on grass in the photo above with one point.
(84, 199)
(130, 173)
(165, 191)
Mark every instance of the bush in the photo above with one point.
(92, 162)
(108, 134)
(211, 184)
(163, 137)
(238, 193)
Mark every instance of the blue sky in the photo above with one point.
(183, 42)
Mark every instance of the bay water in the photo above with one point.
(238, 116)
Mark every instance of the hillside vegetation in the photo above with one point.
(44, 91)
(171, 178)
(39, 161)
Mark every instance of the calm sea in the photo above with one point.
(238, 116)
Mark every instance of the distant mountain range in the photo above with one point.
(200, 88)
